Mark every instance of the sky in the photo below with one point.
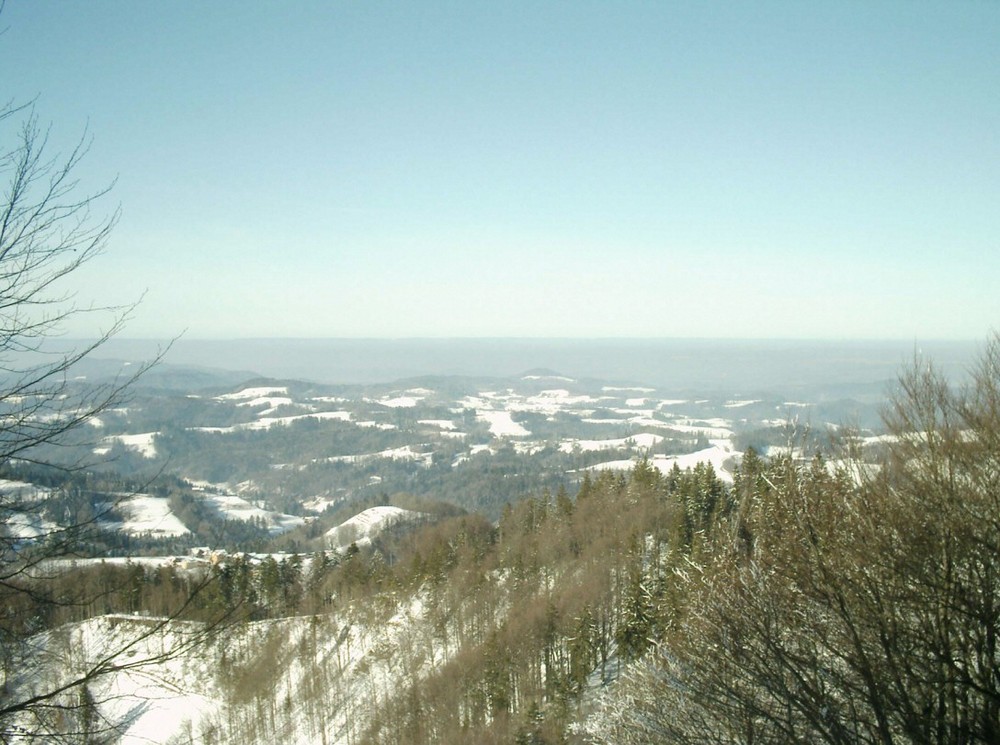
(529, 169)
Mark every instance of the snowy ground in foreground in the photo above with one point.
(176, 693)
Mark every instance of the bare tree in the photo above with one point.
(849, 605)
(50, 227)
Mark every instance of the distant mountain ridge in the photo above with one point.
(732, 366)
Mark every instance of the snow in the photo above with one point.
(405, 452)
(474, 402)
(776, 422)
(237, 508)
(145, 514)
(740, 404)
(273, 401)
(642, 440)
(266, 422)
(501, 423)
(141, 442)
(717, 454)
(23, 490)
(706, 429)
(442, 423)
(626, 389)
(879, 439)
(376, 425)
(343, 416)
(528, 448)
(254, 393)
(400, 402)
(546, 402)
(173, 691)
(284, 421)
(365, 525)
(319, 504)
(25, 525)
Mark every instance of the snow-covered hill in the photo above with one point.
(361, 528)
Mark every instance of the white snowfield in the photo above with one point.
(741, 403)
(273, 403)
(706, 428)
(266, 422)
(365, 525)
(399, 402)
(549, 402)
(446, 424)
(319, 504)
(237, 508)
(720, 455)
(377, 425)
(22, 491)
(143, 443)
(146, 703)
(643, 440)
(147, 515)
(546, 402)
(27, 526)
(180, 695)
(253, 393)
(406, 452)
(501, 423)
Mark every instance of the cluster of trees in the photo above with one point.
(821, 601)
(555, 598)
(523, 615)
(847, 604)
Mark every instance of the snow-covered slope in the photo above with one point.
(297, 681)
(365, 525)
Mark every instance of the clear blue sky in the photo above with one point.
(669, 169)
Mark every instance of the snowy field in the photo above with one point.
(501, 424)
(720, 455)
(233, 507)
(642, 441)
(147, 515)
(365, 525)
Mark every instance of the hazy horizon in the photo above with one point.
(677, 364)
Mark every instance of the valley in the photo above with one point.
(349, 520)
